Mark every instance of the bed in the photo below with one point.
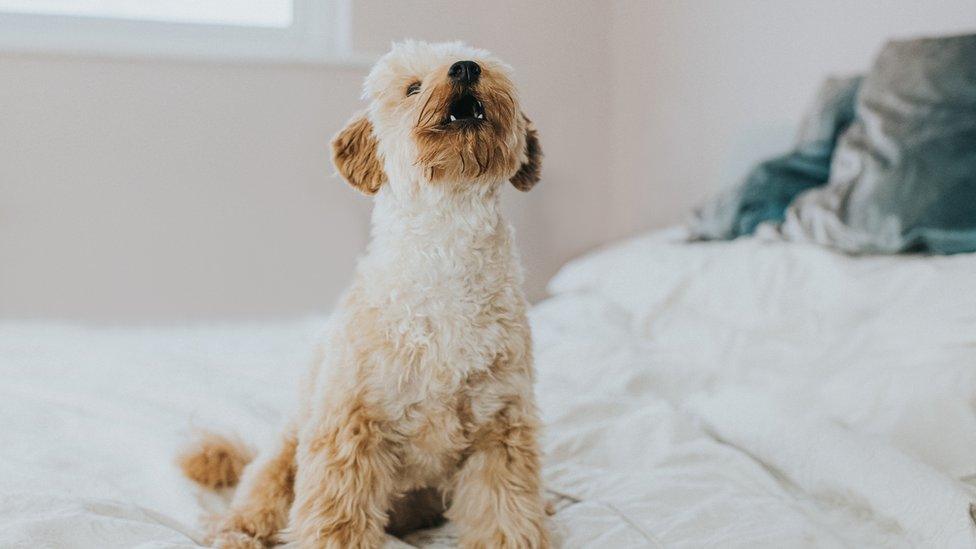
(735, 394)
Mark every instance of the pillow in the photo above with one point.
(770, 187)
(903, 176)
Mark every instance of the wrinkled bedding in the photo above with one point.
(734, 394)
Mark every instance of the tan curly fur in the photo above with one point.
(214, 461)
(420, 406)
(355, 157)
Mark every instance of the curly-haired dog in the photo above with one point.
(421, 405)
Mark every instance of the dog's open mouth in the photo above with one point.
(465, 108)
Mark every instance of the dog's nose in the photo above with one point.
(464, 72)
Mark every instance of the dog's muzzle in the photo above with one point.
(465, 107)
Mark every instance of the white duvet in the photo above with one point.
(744, 394)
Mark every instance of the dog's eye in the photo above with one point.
(413, 88)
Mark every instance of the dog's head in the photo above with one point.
(439, 114)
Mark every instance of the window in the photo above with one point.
(260, 13)
(274, 30)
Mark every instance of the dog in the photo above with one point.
(421, 404)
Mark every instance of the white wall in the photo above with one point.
(147, 190)
(703, 89)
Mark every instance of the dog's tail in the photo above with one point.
(213, 460)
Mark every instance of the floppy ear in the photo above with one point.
(530, 171)
(355, 155)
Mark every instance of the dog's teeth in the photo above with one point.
(481, 116)
(453, 119)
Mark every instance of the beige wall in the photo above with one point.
(147, 190)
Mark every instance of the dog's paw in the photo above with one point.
(236, 540)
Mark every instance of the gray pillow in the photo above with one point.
(903, 175)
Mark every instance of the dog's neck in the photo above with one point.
(430, 232)
(433, 214)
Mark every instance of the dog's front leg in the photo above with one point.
(346, 479)
(497, 493)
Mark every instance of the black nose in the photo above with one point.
(464, 72)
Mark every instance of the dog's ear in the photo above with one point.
(355, 155)
(530, 171)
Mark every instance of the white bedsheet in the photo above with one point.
(742, 394)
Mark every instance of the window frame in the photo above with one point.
(320, 33)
